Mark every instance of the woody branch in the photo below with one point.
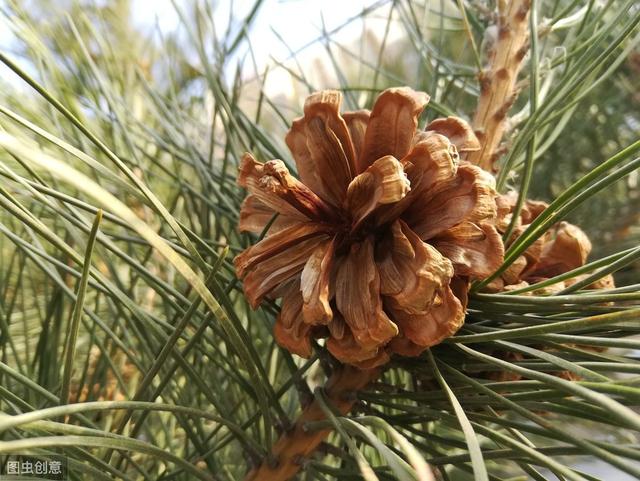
(296, 445)
(498, 81)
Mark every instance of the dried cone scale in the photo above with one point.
(372, 247)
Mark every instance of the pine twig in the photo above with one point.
(498, 82)
(297, 444)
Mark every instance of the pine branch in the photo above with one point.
(172, 113)
(497, 84)
(297, 444)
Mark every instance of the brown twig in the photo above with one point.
(498, 82)
(297, 444)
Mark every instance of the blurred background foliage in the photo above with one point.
(173, 109)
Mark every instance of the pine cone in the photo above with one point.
(564, 247)
(376, 243)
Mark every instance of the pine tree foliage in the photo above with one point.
(126, 343)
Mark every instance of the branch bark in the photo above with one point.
(497, 83)
(297, 444)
